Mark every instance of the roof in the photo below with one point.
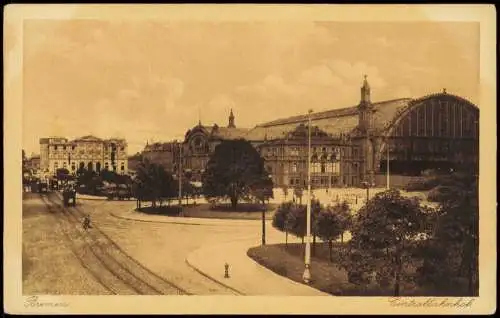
(228, 133)
(88, 138)
(157, 146)
(333, 122)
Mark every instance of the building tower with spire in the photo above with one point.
(231, 120)
(365, 107)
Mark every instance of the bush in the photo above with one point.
(171, 210)
(241, 207)
(439, 194)
(421, 185)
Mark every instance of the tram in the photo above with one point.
(69, 196)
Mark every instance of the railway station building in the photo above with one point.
(350, 146)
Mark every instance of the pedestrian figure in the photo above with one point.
(86, 222)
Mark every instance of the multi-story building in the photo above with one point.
(350, 145)
(33, 163)
(87, 152)
(161, 153)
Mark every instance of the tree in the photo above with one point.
(234, 169)
(261, 190)
(280, 217)
(332, 222)
(383, 236)
(316, 208)
(296, 221)
(451, 254)
(153, 183)
(62, 174)
(89, 179)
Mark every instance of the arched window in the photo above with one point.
(98, 166)
(90, 166)
(199, 145)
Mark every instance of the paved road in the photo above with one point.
(50, 266)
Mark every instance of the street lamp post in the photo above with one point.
(387, 164)
(180, 178)
(263, 223)
(307, 274)
(366, 184)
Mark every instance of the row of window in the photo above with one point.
(90, 166)
(323, 181)
(63, 147)
(295, 151)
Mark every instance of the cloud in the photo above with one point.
(322, 85)
(320, 75)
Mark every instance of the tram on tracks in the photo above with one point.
(39, 186)
(69, 196)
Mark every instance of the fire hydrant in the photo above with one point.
(226, 270)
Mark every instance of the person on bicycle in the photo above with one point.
(86, 222)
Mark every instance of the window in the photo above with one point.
(122, 167)
(64, 147)
(323, 168)
(294, 167)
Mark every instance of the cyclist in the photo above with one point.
(86, 222)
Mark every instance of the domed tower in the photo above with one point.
(231, 120)
(365, 107)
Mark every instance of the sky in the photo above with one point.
(154, 80)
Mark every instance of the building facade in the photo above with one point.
(87, 152)
(33, 163)
(350, 146)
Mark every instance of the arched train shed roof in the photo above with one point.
(345, 120)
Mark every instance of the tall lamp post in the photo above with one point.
(387, 164)
(180, 179)
(307, 274)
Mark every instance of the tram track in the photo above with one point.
(113, 268)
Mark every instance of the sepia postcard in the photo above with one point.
(262, 159)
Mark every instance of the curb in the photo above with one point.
(213, 279)
(151, 221)
(177, 222)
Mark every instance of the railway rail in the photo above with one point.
(119, 273)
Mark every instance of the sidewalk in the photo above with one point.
(246, 276)
(89, 197)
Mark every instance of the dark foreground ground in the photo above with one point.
(288, 260)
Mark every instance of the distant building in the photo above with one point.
(161, 153)
(33, 163)
(349, 145)
(87, 152)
